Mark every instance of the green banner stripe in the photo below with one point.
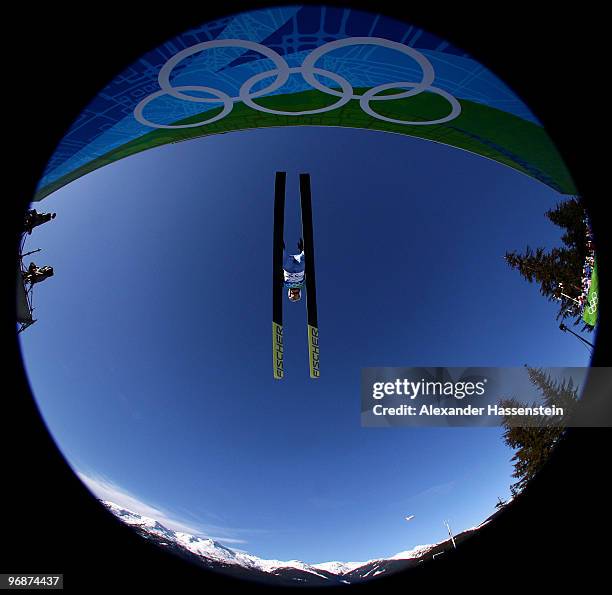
(590, 310)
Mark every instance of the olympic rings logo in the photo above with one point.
(308, 70)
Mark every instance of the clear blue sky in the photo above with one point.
(151, 361)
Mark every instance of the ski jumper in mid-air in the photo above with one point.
(292, 273)
(294, 267)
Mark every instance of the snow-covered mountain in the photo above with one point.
(215, 556)
(338, 567)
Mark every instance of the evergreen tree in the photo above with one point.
(559, 265)
(570, 216)
(534, 440)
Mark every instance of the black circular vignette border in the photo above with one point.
(537, 54)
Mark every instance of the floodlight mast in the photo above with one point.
(565, 329)
(450, 534)
(568, 297)
(31, 252)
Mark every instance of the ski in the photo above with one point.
(277, 274)
(311, 292)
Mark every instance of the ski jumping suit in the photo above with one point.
(293, 270)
